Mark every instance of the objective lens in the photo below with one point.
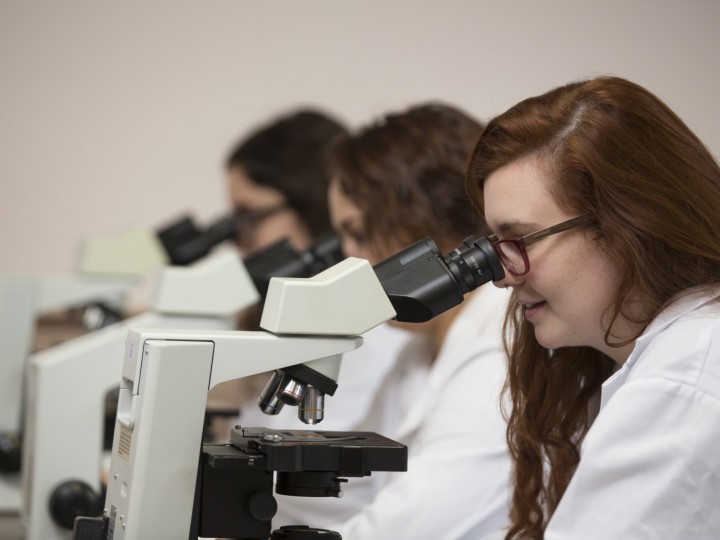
(312, 408)
(291, 391)
(268, 401)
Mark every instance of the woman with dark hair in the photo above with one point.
(393, 183)
(605, 209)
(278, 179)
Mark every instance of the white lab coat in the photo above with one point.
(650, 465)
(448, 413)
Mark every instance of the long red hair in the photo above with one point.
(620, 155)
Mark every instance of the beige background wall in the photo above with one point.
(114, 114)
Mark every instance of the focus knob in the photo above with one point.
(262, 505)
(72, 499)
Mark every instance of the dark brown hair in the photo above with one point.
(406, 174)
(620, 155)
(290, 155)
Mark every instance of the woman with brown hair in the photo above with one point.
(605, 209)
(278, 177)
(395, 182)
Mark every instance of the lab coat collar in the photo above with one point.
(684, 303)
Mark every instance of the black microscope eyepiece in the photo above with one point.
(422, 284)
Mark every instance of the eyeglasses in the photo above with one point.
(247, 219)
(512, 252)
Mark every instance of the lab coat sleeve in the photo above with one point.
(458, 469)
(650, 468)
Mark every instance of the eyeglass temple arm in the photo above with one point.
(560, 227)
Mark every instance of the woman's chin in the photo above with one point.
(549, 340)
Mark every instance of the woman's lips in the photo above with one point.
(531, 310)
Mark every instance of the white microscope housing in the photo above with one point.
(67, 387)
(166, 376)
(22, 299)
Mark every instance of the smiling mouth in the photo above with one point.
(530, 309)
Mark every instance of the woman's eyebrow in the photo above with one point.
(510, 227)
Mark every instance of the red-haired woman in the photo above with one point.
(605, 212)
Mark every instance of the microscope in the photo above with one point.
(23, 298)
(108, 269)
(68, 384)
(165, 485)
(142, 250)
(185, 242)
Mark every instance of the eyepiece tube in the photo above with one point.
(324, 252)
(474, 263)
(281, 259)
(185, 243)
(422, 284)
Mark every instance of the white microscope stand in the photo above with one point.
(166, 377)
(22, 299)
(67, 384)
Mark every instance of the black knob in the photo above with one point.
(71, 499)
(262, 505)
